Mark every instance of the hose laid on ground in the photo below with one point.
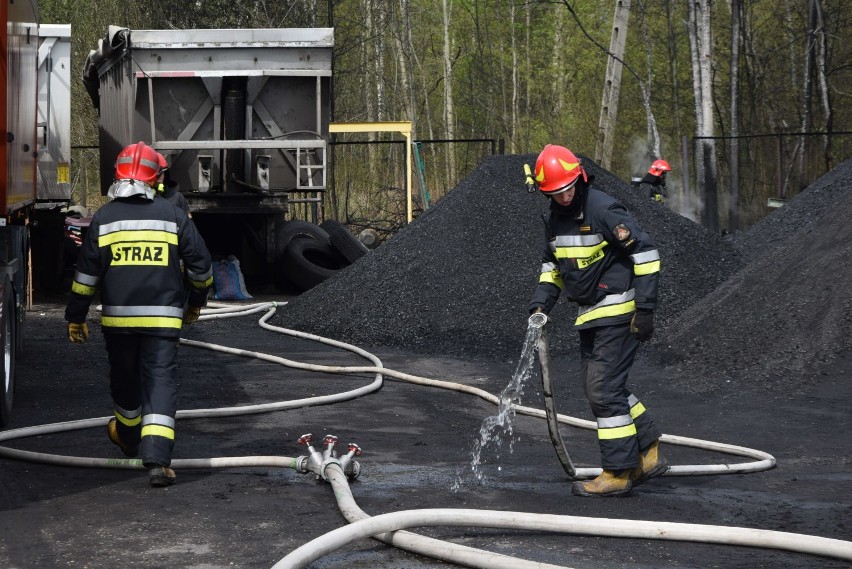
(606, 527)
(393, 522)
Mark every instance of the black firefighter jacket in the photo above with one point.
(137, 252)
(599, 258)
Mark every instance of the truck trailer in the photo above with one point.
(19, 42)
(242, 118)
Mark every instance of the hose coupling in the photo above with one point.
(328, 462)
(537, 320)
(302, 464)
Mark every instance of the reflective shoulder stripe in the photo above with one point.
(136, 236)
(139, 225)
(547, 267)
(645, 257)
(578, 240)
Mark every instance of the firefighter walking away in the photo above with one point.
(132, 256)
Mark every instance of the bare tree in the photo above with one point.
(733, 205)
(449, 110)
(701, 51)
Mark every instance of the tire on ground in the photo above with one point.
(285, 232)
(306, 262)
(343, 240)
(7, 353)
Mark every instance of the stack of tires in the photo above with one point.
(306, 254)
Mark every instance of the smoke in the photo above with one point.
(639, 157)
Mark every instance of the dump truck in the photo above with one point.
(242, 118)
(18, 155)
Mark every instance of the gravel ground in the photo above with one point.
(458, 279)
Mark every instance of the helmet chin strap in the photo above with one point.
(130, 188)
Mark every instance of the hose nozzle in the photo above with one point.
(537, 320)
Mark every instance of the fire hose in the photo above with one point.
(385, 527)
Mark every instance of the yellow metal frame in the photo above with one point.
(402, 127)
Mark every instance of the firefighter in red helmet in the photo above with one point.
(598, 256)
(653, 184)
(132, 256)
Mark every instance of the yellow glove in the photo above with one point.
(191, 314)
(78, 332)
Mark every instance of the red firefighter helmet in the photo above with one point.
(139, 162)
(557, 170)
(658, 167)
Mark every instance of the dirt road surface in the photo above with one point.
(417, 444)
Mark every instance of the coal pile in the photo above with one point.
(811, 204)
(458, 279)
(786, 317)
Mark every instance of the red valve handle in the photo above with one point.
(305, 439)
(354, 448)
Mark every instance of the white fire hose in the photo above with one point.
(385, 527)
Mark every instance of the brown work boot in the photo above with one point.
(651, 465)
(159, 476)
(126, 449)
(608, 483)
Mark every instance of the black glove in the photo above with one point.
(642, 325)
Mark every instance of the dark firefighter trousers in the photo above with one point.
(143, 384)
(624, 426)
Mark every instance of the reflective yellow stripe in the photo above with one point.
(551, 277)
(141, 322)
(646, 268)
(158, 431)
(637, 410)
(579, 252)
(149, 235)
(607, 311)
(82, 289)
(617, 432)
(203, 284)
(129, 422)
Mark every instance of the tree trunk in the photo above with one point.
(612, 84)
(701, 48)
(734, 205)
(449, 111)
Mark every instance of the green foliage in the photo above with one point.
(522, 70)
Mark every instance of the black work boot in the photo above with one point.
(608, 483)
(127, 450)
(159, 476)
(651, 465)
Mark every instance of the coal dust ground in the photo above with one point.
(417, 444)
(751, 349)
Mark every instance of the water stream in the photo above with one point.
(497, 429)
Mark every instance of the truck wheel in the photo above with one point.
(21, 244)
(307, 262)
(7, 352)
(343, 240)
